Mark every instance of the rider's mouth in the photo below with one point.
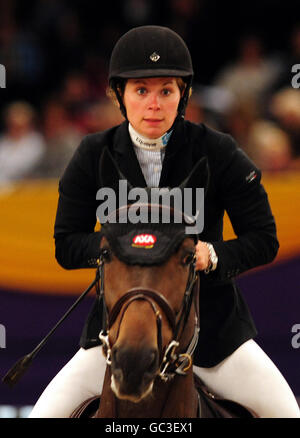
(153, 121)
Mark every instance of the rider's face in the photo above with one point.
(151, 104)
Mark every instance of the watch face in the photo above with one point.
(213, 258)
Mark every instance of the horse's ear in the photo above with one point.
(110, 173)
(198, 177)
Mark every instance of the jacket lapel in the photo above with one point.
(126, 157)
(174, 164)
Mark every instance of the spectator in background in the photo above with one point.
(194, 111)
(23, 59)
(251, 75)
(214, 104)
(292, 57)
(285, 109)
(199, 109)
(102, 115)
(21, 146)
(61, 138)
(182, 14)
(55, 23)
(239, 118)
(76, 98)
(269, 147)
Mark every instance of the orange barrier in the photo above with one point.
(28, 210)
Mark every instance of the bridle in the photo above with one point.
(171, 362)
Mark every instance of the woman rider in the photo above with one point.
(151, 75)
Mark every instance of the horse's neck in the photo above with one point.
(181, 398)
(175, 399)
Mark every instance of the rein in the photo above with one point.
(171, 363)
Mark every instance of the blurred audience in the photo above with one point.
(183, 15)
(102, 115)
(23, 59)
(21, 145)
(56, 58)
(285, 108)
(61, 139)
(288, 60)
(76, 98)
(137, 12)
(251, 75)
(269, 147)
(239, 118)
(195, 111)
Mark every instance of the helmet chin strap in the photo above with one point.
(115, 87)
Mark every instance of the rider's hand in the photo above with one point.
(202, 256)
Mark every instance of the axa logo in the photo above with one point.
(143, 241)
(2, 76)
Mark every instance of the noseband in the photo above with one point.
(171, 363)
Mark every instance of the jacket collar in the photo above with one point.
(127, 159)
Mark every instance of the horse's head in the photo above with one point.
(148, 282)
(146, 307)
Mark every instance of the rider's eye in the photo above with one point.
(166, 92)
(141, 91)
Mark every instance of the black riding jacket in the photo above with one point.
(234, 187)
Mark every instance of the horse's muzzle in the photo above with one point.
(133, 371)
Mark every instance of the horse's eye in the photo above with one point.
(187, 259)
(106, 254)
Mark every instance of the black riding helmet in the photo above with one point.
(150, 51)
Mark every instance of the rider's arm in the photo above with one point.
(246, 202)
(76, 242)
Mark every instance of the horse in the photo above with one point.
(148, 294)
(151, 324)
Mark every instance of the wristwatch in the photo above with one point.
(213, 258)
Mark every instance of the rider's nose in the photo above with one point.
(154, 102)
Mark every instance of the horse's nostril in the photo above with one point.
(118, 375)
(153, 362)
(115, 356)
